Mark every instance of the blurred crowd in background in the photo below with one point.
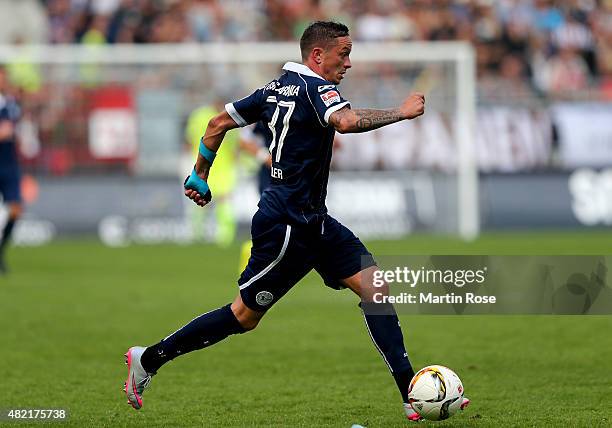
(529, 53)
(557, 46)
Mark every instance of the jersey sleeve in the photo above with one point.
(327, 100)
(248, 109)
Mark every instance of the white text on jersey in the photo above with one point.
(288, 91)
(276, 173)
(271, 86)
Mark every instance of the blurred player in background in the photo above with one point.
(224, 179)
(256, 140)
(9, 168)
(292, 231)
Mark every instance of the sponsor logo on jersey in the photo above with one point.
(289, 90)
(326, 87)
(264, 298)
(330, 97)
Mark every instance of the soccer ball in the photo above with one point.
(435, 393)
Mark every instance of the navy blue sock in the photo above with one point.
(386, 333)
(203, 331)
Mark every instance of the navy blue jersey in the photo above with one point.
(296, 108)
(9, 110)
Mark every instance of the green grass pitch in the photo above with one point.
(70, 310)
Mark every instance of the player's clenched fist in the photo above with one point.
(197, 189)
(414, 105)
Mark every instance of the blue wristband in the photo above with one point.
(194, 182)
(208, 154)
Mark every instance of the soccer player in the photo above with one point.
(9, 168)
(292, 231)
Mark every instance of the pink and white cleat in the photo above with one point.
(411, 414)
(138, 378)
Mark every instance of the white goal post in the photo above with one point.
(461, 55)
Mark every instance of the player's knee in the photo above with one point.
(15, 210)
(248, 318)
(367, 283)
(247, 322)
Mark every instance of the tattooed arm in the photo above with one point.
(347, 120)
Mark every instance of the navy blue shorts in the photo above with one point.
(283, 254)
(10, 187)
